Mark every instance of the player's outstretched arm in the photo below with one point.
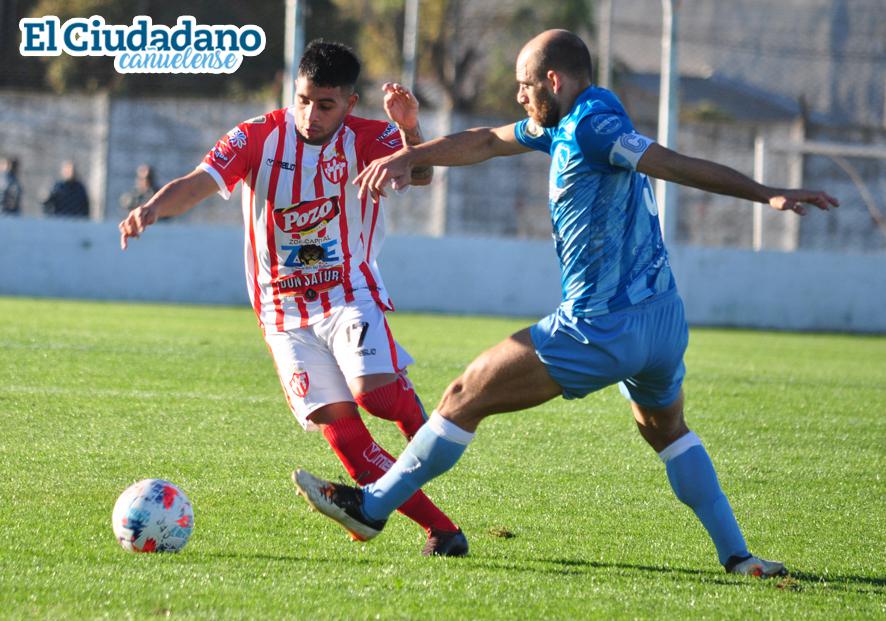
(663, 163)
(401, 107)
(462, 149)
(173, 199)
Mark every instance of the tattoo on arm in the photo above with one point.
(422, 173)
(413, 137)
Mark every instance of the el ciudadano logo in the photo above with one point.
(143, 46)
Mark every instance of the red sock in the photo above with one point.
(366, 462)
(397, 402)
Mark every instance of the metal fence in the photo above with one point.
(730, 113)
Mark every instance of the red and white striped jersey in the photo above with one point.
(310, 243)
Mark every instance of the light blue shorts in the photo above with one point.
(640, 348)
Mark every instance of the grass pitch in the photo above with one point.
(568, 513)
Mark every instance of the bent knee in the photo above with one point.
(460, 403)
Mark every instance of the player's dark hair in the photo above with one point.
(566, 52)
(329, 64)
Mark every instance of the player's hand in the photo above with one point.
(400, 105)
(135, 223)
(395, 170)
(793, 200)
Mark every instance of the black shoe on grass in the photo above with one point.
(445, 543)
(342, 503)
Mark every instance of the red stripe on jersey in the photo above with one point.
(370, 282)
(393, 347)
(360, 166)
(375, 211)
(303, 311)
(324, 302)
(320, 191)
(256, 290)
(343, 222)
(271, 227)
(296, 198)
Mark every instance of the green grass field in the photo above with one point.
(95, 396)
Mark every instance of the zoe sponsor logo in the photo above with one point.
(142, 46)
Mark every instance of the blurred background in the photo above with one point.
(792, 92)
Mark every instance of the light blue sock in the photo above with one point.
(694, 481)
(433, 450)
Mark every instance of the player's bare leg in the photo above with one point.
(506, 378)
(368, 383)
(661, 426)
(694, 482)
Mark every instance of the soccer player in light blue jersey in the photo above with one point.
(621, 318)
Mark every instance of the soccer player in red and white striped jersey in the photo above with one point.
(310, 249)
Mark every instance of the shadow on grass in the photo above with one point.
(796, 581)
(841, 582)
(577, 567)
(291, 558)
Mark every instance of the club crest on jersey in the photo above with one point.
(335, 167)
(307, 216)
(299, 383)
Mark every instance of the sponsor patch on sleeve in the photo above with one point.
(391, 137)
(222, 155)
(604, 124)
(236, 138)
(533, 129)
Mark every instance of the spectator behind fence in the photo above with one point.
(10, 188)
(68, 196)
(142, 190)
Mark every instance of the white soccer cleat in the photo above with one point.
(761, 568)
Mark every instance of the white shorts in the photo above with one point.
(316, 363)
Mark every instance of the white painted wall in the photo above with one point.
(203, 264)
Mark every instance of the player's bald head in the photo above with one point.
(557, 50)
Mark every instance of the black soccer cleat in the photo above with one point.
(342, 503)
(445, 543)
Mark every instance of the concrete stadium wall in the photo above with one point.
(203, 264)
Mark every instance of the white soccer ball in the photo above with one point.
(153, 515)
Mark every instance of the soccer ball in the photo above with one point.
(153, 515)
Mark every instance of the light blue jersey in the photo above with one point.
(621, 319)
(603, 212)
